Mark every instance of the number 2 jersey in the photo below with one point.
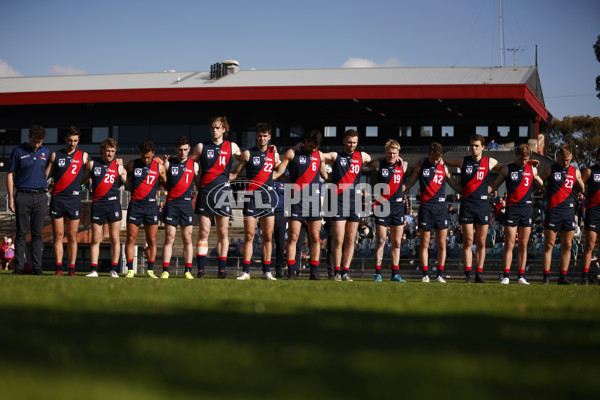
(67, 173)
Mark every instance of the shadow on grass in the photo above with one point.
(322, 354)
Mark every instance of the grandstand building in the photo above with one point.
(414, 105)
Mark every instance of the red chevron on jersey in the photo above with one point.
(435, 184)
(350, 177)
(565, 190)
(184, 182)
(593, 200)
(523, 187)
(479, 177)
(73, 171)
(311, 171)
(393, 185)
(264, 174)
(112, 174)
(147, 184)
(218, 168)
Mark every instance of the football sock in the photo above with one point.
(468, 272)
(425, 269)
(200, 261)
(188, 267)
(314, 266)
(245, 266)
(165, 267)
(440, 270)
(222, 262)
(266, 266)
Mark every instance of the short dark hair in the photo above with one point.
(72, 131)
(351, 133)
(477, 137)
(263, 127)
(523, 150)
(108, 142)
(146, 147)
(315, 136)
(181, 140)
(37, 132)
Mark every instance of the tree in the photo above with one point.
(581, 132)
(597, 51)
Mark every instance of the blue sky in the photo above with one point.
(45, 37)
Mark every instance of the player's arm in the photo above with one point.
(328, 158)
(128, 170)
(85, 157)
(499, 179)
(451, 181)
(162, 171)
(579, 185)
(494, 165)
(87, 171)
(165, 161)
(453, 162)
(539, 181)
(323, 170)
(10, 188)
(123, 175)
(197, 152)
(243, 160)
(414, 176)
(50, 165)
(235, 151)
(280, 169)
(366, 157)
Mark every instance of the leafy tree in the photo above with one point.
(597, 51)
(581, 132)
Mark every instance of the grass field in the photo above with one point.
(104, 338)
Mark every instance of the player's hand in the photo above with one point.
(272, 147)
(11, 204)
(534, 163)
(158, 160)
(299, 146)
(119, 161)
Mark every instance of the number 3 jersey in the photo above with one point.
(144, 182)
(105, 181)
(519, 185)
(68, 171)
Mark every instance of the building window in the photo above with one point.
(296, 131)
(51, 135)
(251, 138)
(10, 136)
(523, 131)
(481, 130)
(447, 131)
(371, 131)
(330, 131)
(503, 131)
(133, 134)
(426, 131)
(346, 128)
(277, 132)
(99, 134)
(405, 131)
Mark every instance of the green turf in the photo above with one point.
(105, 338)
